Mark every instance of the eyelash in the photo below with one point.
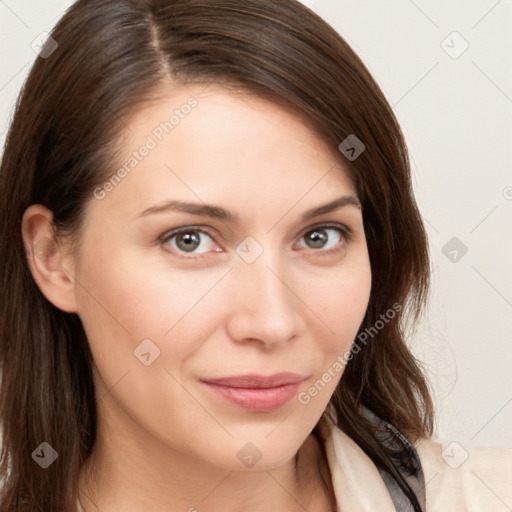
(343, 230)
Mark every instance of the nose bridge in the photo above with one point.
(265, 306)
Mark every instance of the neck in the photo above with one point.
(117, 477)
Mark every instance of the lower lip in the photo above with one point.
(256, 399)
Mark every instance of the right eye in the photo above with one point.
(187, 240)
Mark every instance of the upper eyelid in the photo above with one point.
(174, 232)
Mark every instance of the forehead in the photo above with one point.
(207, 143)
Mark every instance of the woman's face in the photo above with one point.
(254, 285)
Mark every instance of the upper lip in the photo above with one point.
(254, 380)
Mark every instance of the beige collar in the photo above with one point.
(358, 485)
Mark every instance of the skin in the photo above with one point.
(165, 442)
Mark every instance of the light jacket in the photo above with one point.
(452, 478)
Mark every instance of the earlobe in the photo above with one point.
(49, 265)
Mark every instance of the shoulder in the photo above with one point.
(472, 479)
(356, 481)
(456, 478)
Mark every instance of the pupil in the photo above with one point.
(318, 238)
(191, 241)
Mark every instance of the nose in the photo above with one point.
(265, 308)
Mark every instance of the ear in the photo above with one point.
(51, 268)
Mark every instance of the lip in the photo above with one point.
(254, 380)
(254, 392)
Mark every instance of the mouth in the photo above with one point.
(255, 392)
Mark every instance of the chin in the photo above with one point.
(247, 455)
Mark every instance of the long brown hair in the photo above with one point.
(61, 144)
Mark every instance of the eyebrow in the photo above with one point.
(216, 212)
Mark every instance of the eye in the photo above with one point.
(188, 239)
(321, 237)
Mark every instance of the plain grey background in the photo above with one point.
(445, 69)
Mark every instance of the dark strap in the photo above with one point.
(409, 467)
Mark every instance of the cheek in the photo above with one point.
(125, 301)
(342, 302)
(341, 307)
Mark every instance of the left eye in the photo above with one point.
(319, 237)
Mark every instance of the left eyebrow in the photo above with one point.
(333, 205)
(208, 210)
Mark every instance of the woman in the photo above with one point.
(210, 243)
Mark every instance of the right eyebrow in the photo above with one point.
(206, 210)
